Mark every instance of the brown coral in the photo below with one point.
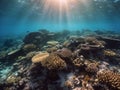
(69, 84)
(40, 57)
(109, 78)
(53, 62)
(13, 79)
(64, 53)
(78, 62)
(94, 41)
(92, 68)
(52, 49)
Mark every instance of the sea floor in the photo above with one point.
(66, 60)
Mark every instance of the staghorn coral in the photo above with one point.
(109, 53)
(53, 62)
(40, 57)
(109, 78)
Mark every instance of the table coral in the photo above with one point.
(40, 57)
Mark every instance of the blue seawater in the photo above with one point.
(20, 16)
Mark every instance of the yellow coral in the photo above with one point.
(52, 43)
(40, 57)
(109, 53)
(53, 62)
(69, 84)
(13, 79)
(109, 78)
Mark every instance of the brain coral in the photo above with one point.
(64, 52)
(53, 62)
(109, 78)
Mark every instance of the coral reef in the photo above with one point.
(78, 62)
(38, 38)
(52, 43)
(29, 47)
(40, 57)
(109, 78)
(54, 62)
(64, 53)
(109, 53)
(51, 50)
(61, 60)
(13, 79)
(92, 68)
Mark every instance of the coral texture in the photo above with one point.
(40, 57)
(64, 53)
(109, 78)
(53, 62)
(109, 53)
(78, 62)
(29, 47)
(92, 68)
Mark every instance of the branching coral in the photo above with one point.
(78, 62)
(53, 62)
(109, 78)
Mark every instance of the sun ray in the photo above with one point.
(58, 11)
